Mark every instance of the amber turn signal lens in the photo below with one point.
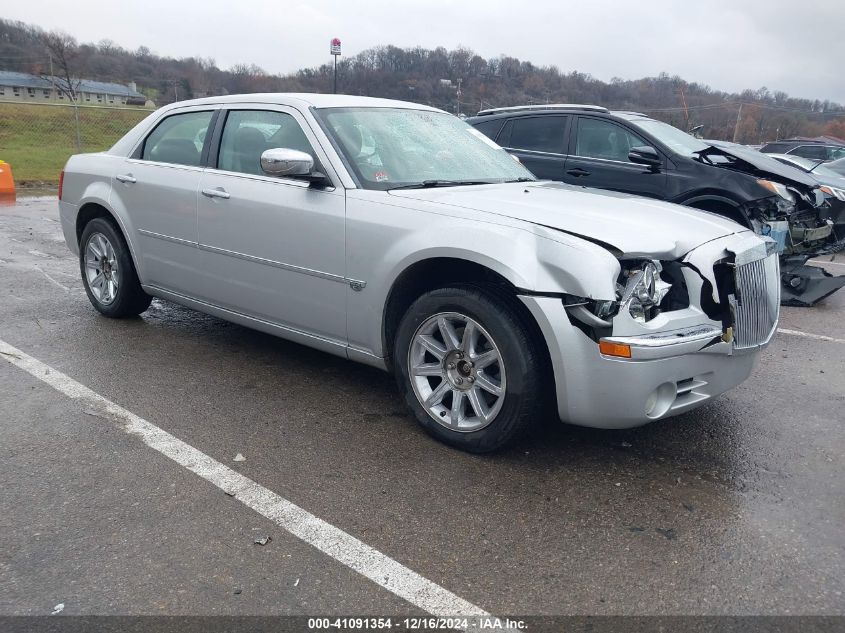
(615, 349)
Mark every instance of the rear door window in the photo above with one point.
(539, 134)
(178, 139)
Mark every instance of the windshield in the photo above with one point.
(393, 147)
(677, 140)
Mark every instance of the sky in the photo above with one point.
(730, 45)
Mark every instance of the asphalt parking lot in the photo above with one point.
(736, 508)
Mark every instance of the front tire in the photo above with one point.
(469, 367)
(108, 273)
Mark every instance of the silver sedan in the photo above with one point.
(394, 234)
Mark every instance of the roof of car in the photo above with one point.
(630, 116)
(306, 99)
(550, 109)
(541, 108)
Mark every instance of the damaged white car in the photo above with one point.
(396, 235)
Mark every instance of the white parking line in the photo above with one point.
(331, 540)
(818, 337)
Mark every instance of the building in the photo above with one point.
(24, 87)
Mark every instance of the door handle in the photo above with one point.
(577, 172)
(126, 178)
(216, 193)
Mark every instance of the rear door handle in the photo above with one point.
(127, 178)
(216, 193)
(577, 172)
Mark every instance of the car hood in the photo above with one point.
(758, 164)
(630, 225)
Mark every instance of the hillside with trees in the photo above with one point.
(458, 81)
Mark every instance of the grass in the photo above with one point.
(37, 139)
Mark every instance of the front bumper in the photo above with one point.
(665, 376)
(687, 340)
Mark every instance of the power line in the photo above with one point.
(725, 104)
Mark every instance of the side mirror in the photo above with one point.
(291, 163)
(645, 155)
(282, 161)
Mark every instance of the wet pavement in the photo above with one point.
(736, 508)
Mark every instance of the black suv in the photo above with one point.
(630, 152)
(814, 150)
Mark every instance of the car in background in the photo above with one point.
(832, 184)
(630, 152)
(396, 235)
(815, 150)
(837, 165)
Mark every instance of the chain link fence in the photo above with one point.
(37, 139)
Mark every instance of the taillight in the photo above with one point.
(61, 182)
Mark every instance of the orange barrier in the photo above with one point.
(7, 182)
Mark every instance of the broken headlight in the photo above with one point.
(642, 290)
(839, 194)
(777, 188)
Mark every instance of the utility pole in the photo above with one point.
(459, 96)
(684, 104)
(738, 118)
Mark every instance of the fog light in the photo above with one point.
(659, 400)
(651, 402)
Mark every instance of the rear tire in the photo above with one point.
(469, 367)
(108, 273)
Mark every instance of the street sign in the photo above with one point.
(335, 46)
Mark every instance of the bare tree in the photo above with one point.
(64, 52)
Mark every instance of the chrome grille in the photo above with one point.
(757, 301)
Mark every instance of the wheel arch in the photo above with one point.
(437, 272)
(719, 204)
(93, 209)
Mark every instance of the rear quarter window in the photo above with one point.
(490, 129)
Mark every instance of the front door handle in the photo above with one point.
(129, 179)
(577, 172)
(216, 193)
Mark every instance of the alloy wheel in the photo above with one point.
(457, 372)
(102, 271)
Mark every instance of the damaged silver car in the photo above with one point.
(395, 235)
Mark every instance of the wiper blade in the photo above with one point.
(428, 184)
(522, 179)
